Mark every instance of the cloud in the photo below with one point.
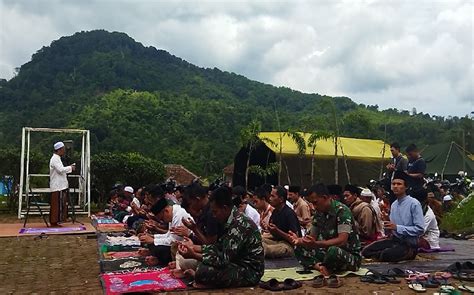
(401, 54)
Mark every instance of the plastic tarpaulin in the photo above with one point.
(354, 148)
(447, 159)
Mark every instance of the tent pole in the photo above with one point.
(446, 160)
(22, 163)
(383, 152)
(88, 165)
(28, 163)
(345, 162)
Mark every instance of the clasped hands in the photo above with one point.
(307, 241)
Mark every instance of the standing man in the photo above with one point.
(398, 162)
(406, 223)
(58, 185)
(416, 168)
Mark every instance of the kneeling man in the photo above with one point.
(406, 226)
(332, 244)
(236, 259)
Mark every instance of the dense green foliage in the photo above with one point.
(461, 218)
(140, 99)
(123, 168)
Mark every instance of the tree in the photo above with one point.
(249, 138)
(312, 142)
(301, 145)
(109, 169)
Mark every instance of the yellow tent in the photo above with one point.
(354, 148)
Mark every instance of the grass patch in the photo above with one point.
(460, 219)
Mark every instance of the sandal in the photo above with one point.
(398, 272)
(464, 276)
(272, 285)
(466, 288)
(290, 284)
(334, 282)
(416, 287)
(319, 281)
(372, 277)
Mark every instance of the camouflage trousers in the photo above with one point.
(334, 258)
(232, 275)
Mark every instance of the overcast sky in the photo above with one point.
(401, 54)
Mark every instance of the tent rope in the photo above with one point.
(446, 160)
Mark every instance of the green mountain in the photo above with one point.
(137, 98)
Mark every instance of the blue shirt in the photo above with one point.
(407, 214)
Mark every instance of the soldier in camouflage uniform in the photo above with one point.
(237, 258)
(332, 244)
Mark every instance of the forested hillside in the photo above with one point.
(136, 98)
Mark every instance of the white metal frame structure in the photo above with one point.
(84, 176)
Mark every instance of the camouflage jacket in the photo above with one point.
(338, 219)
(240, 244)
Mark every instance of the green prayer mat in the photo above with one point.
(290, 273)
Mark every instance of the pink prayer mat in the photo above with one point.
(143, 281)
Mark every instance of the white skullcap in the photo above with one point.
(128, 189)
(287, 187)
(447, 198)
(58, 145)
(366, 193)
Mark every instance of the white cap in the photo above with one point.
(128, 189)
(447, 198)
(366, 193)
(58, 145)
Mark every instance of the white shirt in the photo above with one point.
(375, 204)
(58, 174)
(253, 214)
(168, 238)
(431, 234)
(289, 204)
(136, 201)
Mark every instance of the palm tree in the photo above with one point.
(312, 140)
(301, 145)
(249, 138)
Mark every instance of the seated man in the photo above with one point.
(160, 244)
(332, 244)
(236, 259)
(300, 206)
(264, 209)
(430, 238)
(365, 218)
(205, 230)
(406, 225)
(240, 200)
(277, 243)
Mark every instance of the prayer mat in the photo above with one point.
(122, 254)
(122, 241)
(147, 281)
(290, 273)
(121, 264)
(50, 230)
(441, 249)
(118, 227)
(117, 248)
(286, 262)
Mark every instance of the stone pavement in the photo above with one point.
(68, 264)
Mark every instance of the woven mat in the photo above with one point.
(290, 273)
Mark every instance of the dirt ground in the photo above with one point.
(68, 264)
